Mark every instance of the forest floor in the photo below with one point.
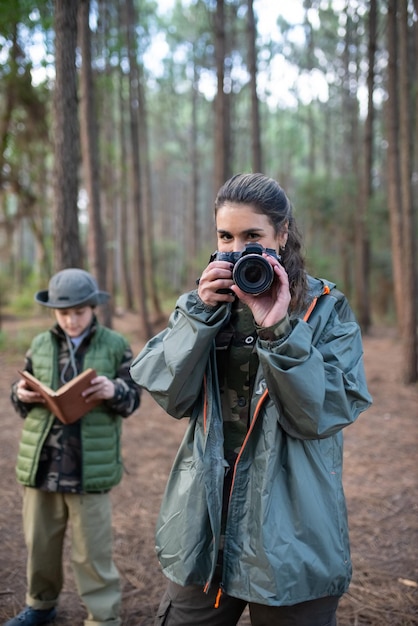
(380, 480)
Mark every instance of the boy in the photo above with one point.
(67, 470)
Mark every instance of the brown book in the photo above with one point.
(66, 403)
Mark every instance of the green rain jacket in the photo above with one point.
(286, 537)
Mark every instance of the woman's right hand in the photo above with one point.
(215, 277)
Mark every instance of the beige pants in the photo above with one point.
(45, 519)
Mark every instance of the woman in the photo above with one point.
(254, 510)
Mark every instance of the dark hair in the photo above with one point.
(267, 197)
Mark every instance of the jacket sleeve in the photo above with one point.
(315, 372)
(22, 408)
(171, 366)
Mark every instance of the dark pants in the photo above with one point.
(190, 606)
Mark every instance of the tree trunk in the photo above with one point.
(310, 64)
(147, 198)
(393, 174)
(136, 170)
(192, 214)
(109, 156)
(126, 266)
(67, 248)
(96, 250)
(126, 274)
(350, 154)
(220, 165)
(362, 244)
(409, 273)
(257, 161)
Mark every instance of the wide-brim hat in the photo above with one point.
(70, 288)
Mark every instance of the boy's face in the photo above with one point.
(75, 320)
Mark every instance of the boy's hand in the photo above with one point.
(102, 388)
(26, 395)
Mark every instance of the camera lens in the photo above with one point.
(253, 274)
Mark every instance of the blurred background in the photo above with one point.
(119, 121)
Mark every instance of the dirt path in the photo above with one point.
(381, 483)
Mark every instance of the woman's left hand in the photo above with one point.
(272, 306)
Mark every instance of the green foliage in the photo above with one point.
(170, 266)
(20, 304)
(16, 342)
(322, 206)
(21, 301)
(322, 263)
(5, 288)
(318, 199)
(168, 302)
(13, 12)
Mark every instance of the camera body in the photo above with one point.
(252, 273)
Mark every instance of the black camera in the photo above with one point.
(252, 273)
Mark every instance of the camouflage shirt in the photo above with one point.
(237, 363)
(60, 461)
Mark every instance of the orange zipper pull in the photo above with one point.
(218, 598)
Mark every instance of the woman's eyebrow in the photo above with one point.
(244, 232)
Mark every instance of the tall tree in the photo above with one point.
(393, 175)
(67, 248)
(361, 237)
(349, 166)
(105, 96)
(192, 222)
(96, 248)
(126, 274)
(130, 22)
(409, 322)
(147, 195)
(309, 63)
(122, 177)
(399, 185)
(222, 131)
(257, 160)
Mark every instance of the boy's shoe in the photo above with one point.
(32, 617)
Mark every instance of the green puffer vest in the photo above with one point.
(100, 428)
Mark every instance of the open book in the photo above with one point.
(66, 403)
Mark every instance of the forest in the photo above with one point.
(120, 120)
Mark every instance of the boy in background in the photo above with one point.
(67, 470)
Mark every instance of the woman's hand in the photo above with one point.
(217, 275)
(272, 306)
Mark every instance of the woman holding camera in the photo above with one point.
(254, 510)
